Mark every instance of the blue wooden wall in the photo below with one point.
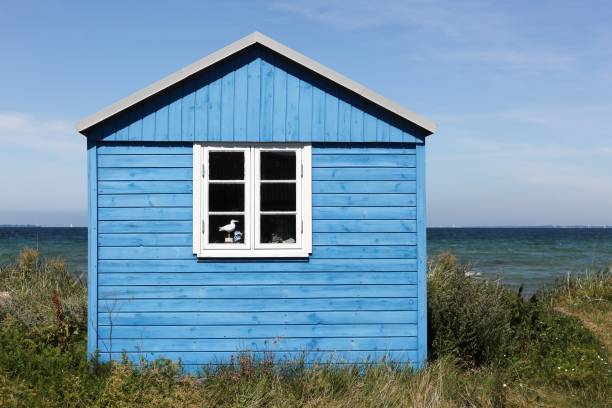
(354, 299)
(257, 96)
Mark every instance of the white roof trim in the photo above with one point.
(233, 48)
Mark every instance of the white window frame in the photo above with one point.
(252, 248)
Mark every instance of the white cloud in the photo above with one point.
(449, 19)
(24, 131)
(42, 166)
(555, 116)
(466, 32)
(515, 58)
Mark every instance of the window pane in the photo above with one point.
(277, 165)
(231, 233)
(277, 229)
(226, 165)
(225, 197)
(277, 196)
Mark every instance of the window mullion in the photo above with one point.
(254, 202)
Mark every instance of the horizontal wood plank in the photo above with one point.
(250, 265)
(356, 148)
(363, 200)
(201, 358)
(145, 187)
(170, 252)
(145, 200)
(138, 174)
(376, 174)
(363, 213)
(357, 225)
(253, 305)
(134, 149)
(258, 278)
(256, 318)
(145, 160)
(360, 252)
(128, 240)
(363, 187)
(265, 344)
(319, 238)
(145, 213)
(108, 227)
(364, 238)
(363, 160)
(323, 251)
(257, 331)
(260, 292)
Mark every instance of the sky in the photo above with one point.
(521, 92)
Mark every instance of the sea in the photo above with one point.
(528, 257)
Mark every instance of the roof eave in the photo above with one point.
(235, 47)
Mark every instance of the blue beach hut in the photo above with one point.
(257, 200)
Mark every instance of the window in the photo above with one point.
(251, 200)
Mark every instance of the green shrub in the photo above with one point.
(469, 318)
(484, 324)
(42, 296)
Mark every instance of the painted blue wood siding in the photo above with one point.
(257, 96)
(355, 298)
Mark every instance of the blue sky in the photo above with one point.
(521, 92)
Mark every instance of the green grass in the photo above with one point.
(490, 347)
(589, 298)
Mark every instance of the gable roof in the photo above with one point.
(245, 42)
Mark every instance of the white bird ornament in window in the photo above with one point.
(229, 228)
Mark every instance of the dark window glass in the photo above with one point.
(226, 165)
(277, 196)
(277, 229)
(232, 235)
(277, 165)
(225, 197)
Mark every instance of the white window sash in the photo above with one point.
(298, 199)
(246, 245)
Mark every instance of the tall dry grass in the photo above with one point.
(42, 296)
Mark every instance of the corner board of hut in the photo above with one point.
(257, 201)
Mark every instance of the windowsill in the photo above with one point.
(228, 254)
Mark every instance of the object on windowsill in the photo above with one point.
(237, 236)
(229, 228)
(289, 241)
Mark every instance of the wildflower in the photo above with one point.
(504, 385)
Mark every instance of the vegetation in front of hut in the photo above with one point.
(490, 346)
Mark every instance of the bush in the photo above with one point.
(43, 297)
(469, 318)
(482, 323)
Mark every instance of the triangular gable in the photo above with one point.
(256, 90)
